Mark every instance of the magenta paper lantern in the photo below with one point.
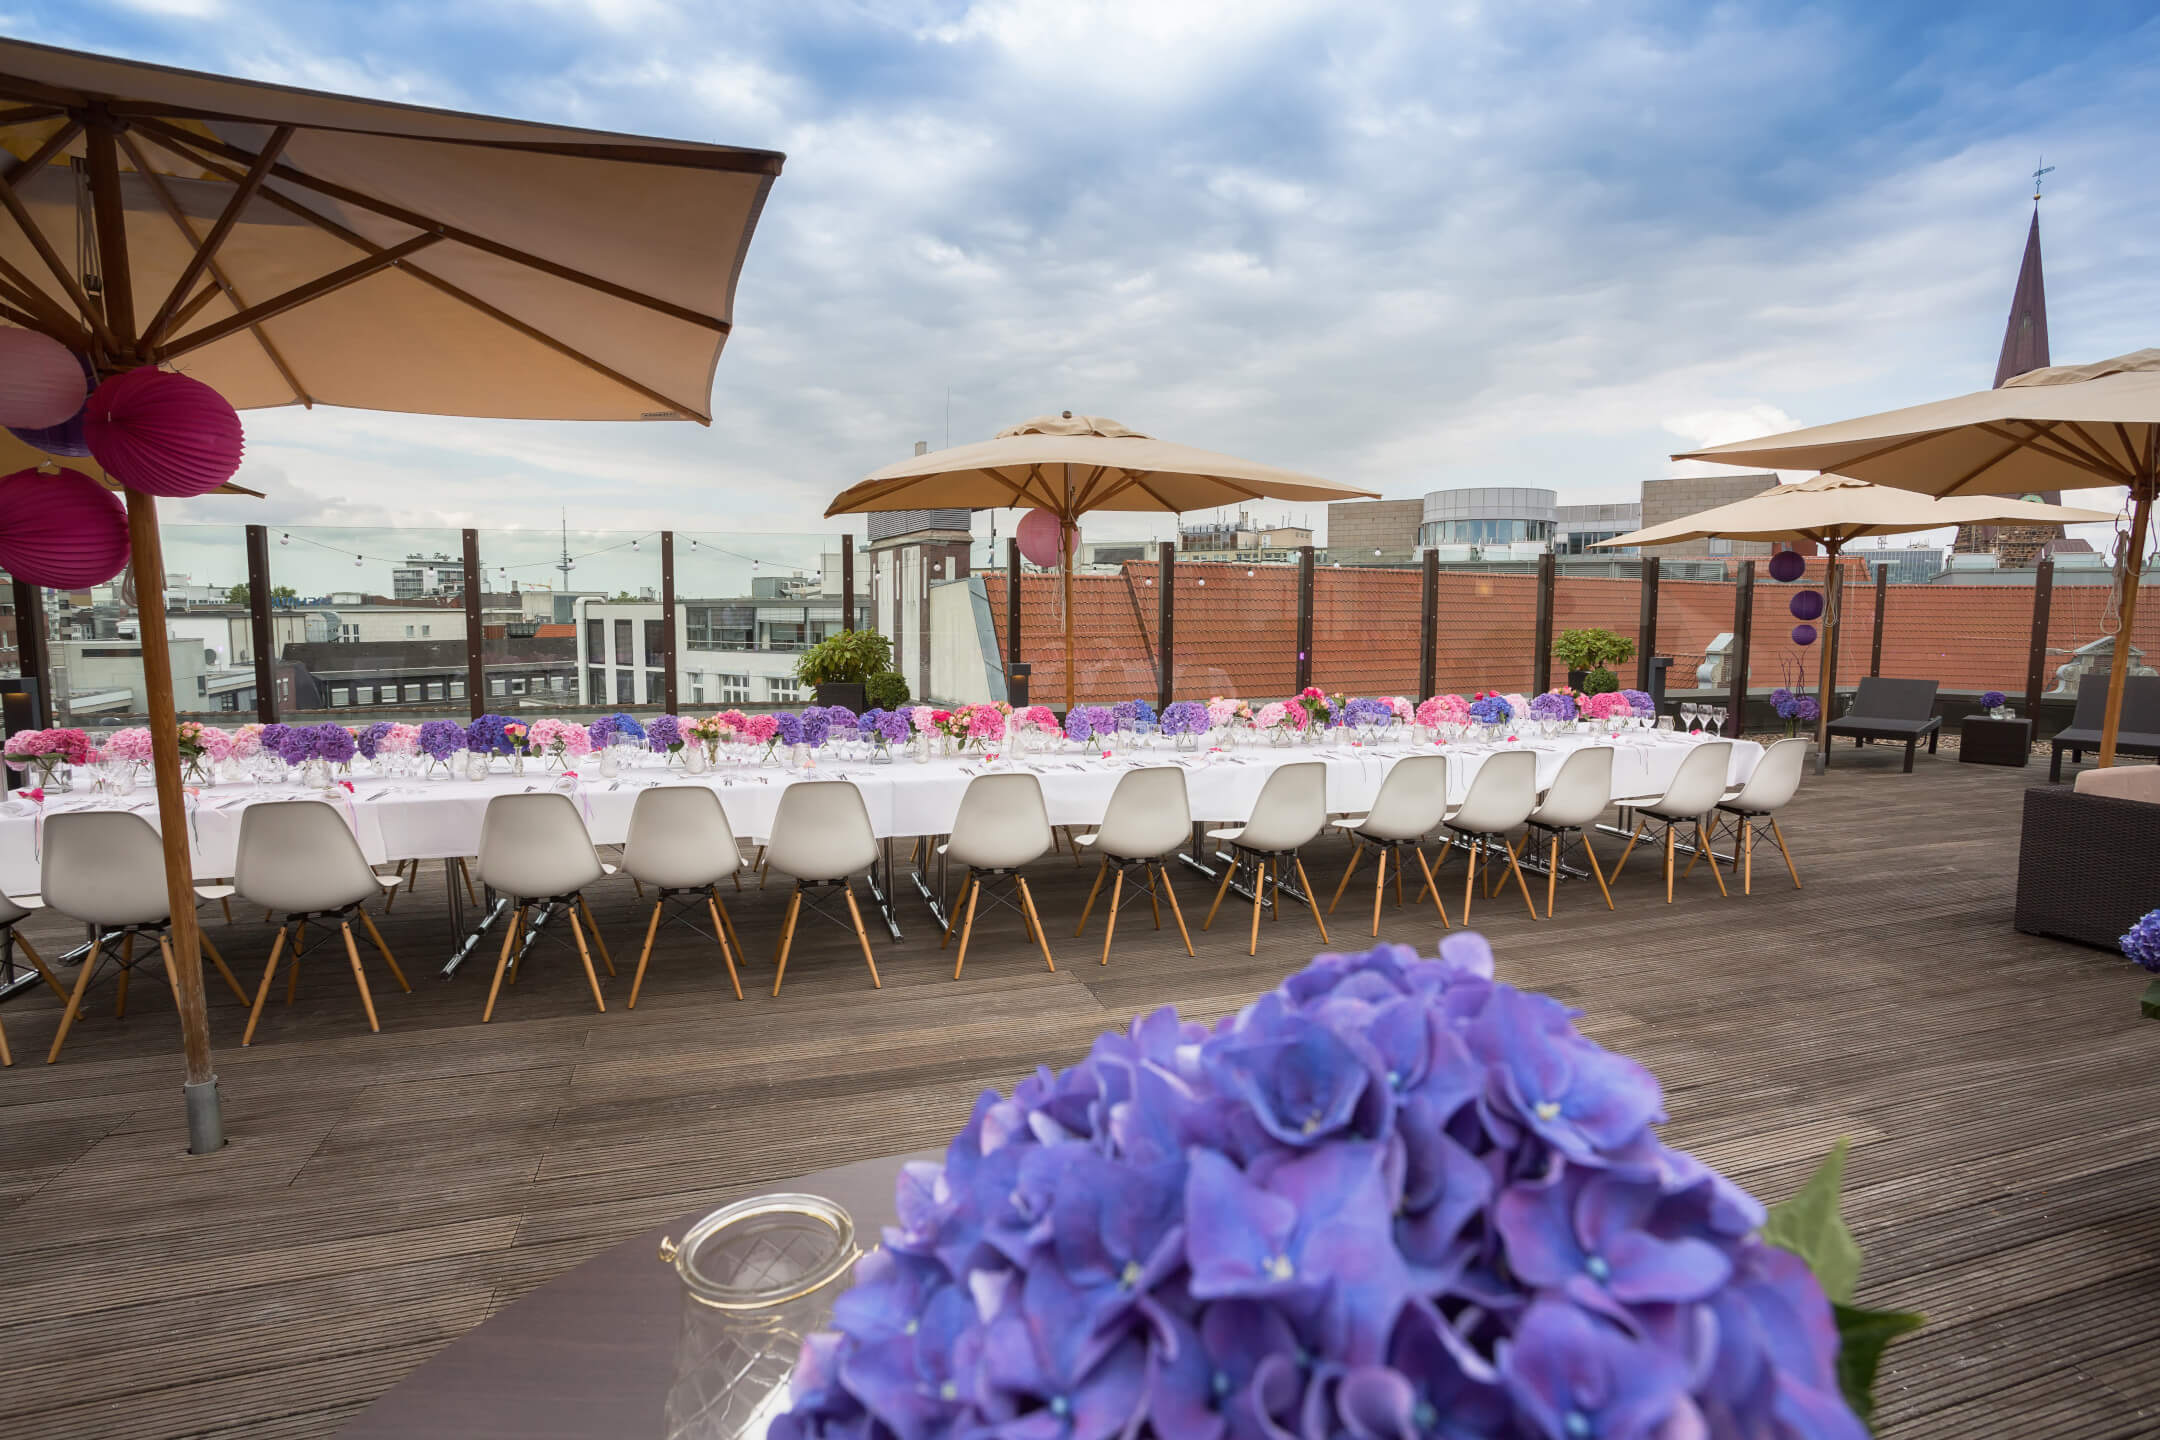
(1040, 539)
(163, 433)
(1806, 605)
(1787, 565)
(65, 531)
(66, 437)
(1803, 634)
(41, 382)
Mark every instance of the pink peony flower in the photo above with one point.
(1444, 710)
(247, 742)
(399, 740)
(1040, 718)
(1271, 715)
(1612, 705)
(1221, 711)
(132, 745)
(985, 723)
(921, 717)
(553, 736)
(761, 728)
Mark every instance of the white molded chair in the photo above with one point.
(1148, 817)
(1754, 806)
(1412, 803)
(1572, 803)
(13, 909)
(821, 835)
(297, 859)
(1291, 810)
(106, 868)
(535, 849)
(1001, 826)
(1696, 788)
(681, 844)
(1502, 793)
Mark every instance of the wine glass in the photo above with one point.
(1718, 719)
(1692, 714)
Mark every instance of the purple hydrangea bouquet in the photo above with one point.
(1185, 721)
(2141, 947)
(1367, 714)
(1554, 705)
(439, 740)
(1993, 700)
(1491, 710)
(1640, 703)
(1795, 708)
(1391, 1198)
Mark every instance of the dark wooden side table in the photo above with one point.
(1984, 740)
(590, 1354)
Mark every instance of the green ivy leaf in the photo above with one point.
(2149, 1002)
(1863, 1335)
(1808, 1224)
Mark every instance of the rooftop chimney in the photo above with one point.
(922, 447)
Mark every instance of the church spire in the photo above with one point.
(2025, 337)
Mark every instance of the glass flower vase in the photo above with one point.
(54, 775)
(758, 1276)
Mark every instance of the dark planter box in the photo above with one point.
(840, 692)
(2086, 865)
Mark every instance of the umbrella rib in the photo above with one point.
(2077, 444)
(206, 248)
(419, 221)
(530, 332)
(22, 114)
(299, 295)
(1086, 498)
(217, 271)
(2069, 454)
(1155, 495)
(36, 160)
(90, 313)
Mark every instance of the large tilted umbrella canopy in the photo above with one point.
(1829, 510)
(2063, 427)
(290, 247)
(1070, 464)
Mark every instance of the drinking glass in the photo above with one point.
(1665, 722)
(1718, 718)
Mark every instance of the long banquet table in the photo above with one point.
(421, 818)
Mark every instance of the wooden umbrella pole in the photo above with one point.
(206, 1129)
(1826, 684)
(2126, 609)
(1067, 528)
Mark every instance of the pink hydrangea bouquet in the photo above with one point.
(1039, 717)
(1444, 710)
(130, 746)
(557, 740)
(247, 742)
(923, 718)
(45, 751)
(985, 725)
(1222, 710)
(202, 746)
(1271, 715)
(1611, 705)
(399, 739)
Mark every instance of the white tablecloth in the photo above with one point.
(414, 818)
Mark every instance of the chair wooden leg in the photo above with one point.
(225, 904)
(592, 976)
(75, 999)
(1306, 886)
(1220, 891)
(1596, 870)
(1027, 903)
(1175, 913)
(502, 964)
(43, 969)
(1093, 891)
(292, 966)
(517, 929)
(638, 885)
(652, 928)
(862, 936)
(1780, 837)
(1470, 877)
(397, 872)
(1357, 857)
(1520, 883)
(1432, 885)
(120, 981)
(1117, 890)
(787, 938)
(472, 896)
(585, 907)
(6, 1058)
(1621, 863)
(1398, 882)
(262, 991)
(1379, 887)
(375, 937)
(727, 923)
(967, 889)
(1552, 874)
(1668, 864)
(720, 933)
(967, 927)
(1432, 871)
(367, 1000)
(1703, 841)
(1747, 856)
(1154, 904)
(1259, 892)
(232, 981)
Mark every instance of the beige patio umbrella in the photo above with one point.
(2063, 427)
(291, 247)
(1070, 464)
(1828, 511)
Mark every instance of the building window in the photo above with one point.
(559, 684)
(697, 627)
(625, 687)
(435, 690)
(363, 694)
(655, 684)
(457, 689)
(426, 629)
(624, 639)
(697, 687)
(498, 686)
(654, 640)
(340, 695)
(782, 688)
(408, 632)
(596, 686)
(596, 641)
(517, 686)
(1720, 547)
(734, 689)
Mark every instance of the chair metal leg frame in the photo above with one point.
(1744, 829)
(722, 932)
(1385, 848)
(94, 955)
(548, 904)
(297, 921)
(794, 913)
(11, 980)
(1669, 839)
(1474, 846)
(1152, 871)
(1266, 892)
(1558, 842)
(1019, 901)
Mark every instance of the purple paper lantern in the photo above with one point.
(163, 433)
(41, 382)
(65, 438)
(1803, 634)
(1787, 565)
(1807, 605)
(65, 531)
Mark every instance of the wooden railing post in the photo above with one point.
(260, 632)
(847, 589)
(475, 637)
(670, 684)
(2036, 666)
(1882, 596)
(1548, 570)
(1429, 628)
(1165, 624)
(1743, 643)
(30, 652)
(1646, 623)
(1012, 604)
(1304, 615)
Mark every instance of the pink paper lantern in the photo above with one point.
(65, 531)
(41, 382)
(163, 433)
(66, 437)
(1040, 539)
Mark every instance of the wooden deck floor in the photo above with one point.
(382, 1193)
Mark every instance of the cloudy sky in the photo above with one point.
(1406, 246)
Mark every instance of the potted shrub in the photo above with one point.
(1589, 656)
(839, 665)
(888, 691)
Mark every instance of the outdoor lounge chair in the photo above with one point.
(1891, 710)
(2138, 734)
